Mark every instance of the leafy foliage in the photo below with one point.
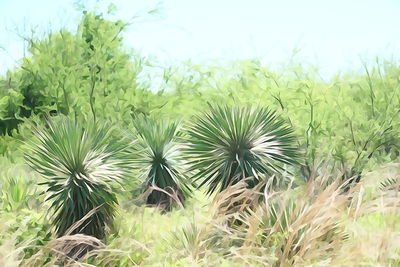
(160, 161)
(230, 144)
(14, 193)
(10, 104)
(87, 73)
(81, 165)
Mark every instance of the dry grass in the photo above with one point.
(315, 224)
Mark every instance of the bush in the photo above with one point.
(227, 145)
(82, 165)
(160, 163)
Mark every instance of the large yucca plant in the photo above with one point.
(228, 144)
(160, 162)
(82, 165)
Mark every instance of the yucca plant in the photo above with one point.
(14, 193)
(82, 165)
(228, 144)
(160, 163)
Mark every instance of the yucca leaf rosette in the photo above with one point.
(82, 164)
(228, 144)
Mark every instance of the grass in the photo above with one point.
(314, 224)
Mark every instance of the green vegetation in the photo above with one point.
(231, 144)
(80, 163)
(160, 162)
(305, 168)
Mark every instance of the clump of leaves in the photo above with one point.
(230, 144)
(160, 163)
(10, 107)
(82, 165)
(14, 193)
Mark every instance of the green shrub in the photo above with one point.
(160, 162)
(10, 107)
(82, 164)
(227, 145)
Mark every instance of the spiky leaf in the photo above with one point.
(228, 144)
(82, 164)
(160, 161)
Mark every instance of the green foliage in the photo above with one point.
(160, 161)
(10, 104)
(81, 166)
(89, 74)
(83, 74)
(331, 118)
(15, 193)
(230, 144)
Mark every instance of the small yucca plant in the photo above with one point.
(82, 165)
(228, 144)
(160, 162)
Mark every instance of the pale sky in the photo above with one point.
(334, 34)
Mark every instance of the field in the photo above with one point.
(101, 164)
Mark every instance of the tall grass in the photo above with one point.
(315, 224)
